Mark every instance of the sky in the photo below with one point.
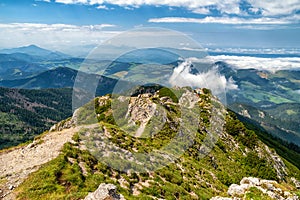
(65, 25)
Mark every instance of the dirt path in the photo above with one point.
(17, 164)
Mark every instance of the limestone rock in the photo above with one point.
(278, 164)
(268, 187)
(66, 124)
(105, 192)
(250, 181)
(237, 190)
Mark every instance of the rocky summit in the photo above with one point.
(164, 143)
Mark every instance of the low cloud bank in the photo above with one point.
(269, 64)
(211, 79)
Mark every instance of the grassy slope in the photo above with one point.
(286, 150)
(189, 177)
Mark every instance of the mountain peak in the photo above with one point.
(32, 46)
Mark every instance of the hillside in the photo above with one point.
(269, 98)
(44, 100)
(279, 120)
(18, 65)
(26, 113)
(60, 77)
(144, 147)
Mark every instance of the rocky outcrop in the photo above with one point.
(141, 109)
(278, 164)
(105, 192)
(65, 124)
(268, 187)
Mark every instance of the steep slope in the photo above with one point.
(280, 120)
(269, 98)
(197, 173)
(26, 113)
(17, 164)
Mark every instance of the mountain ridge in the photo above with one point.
(77, 170)
(37, 51)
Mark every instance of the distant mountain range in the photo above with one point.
(37, 52)
(258, 91)
(26, 61)
(61, 77)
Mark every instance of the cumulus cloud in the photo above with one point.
(211, 79)
(270, 64)
(276, 7)
(222, 20)
(266, 8)
(54, 36)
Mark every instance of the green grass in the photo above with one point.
(256, 194)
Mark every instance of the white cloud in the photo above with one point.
(104, 7)
(268, 8)
(72, 1)
(222, 20)
(270, 64)
(210, 79)
(53, 36)
(276, 7)
(44, 0)
(202, 10)
(264, 27)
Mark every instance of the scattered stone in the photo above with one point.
(268, 187)
(250, 181)
(278, 164)
(105, 192)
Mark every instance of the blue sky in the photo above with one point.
(62, 24)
